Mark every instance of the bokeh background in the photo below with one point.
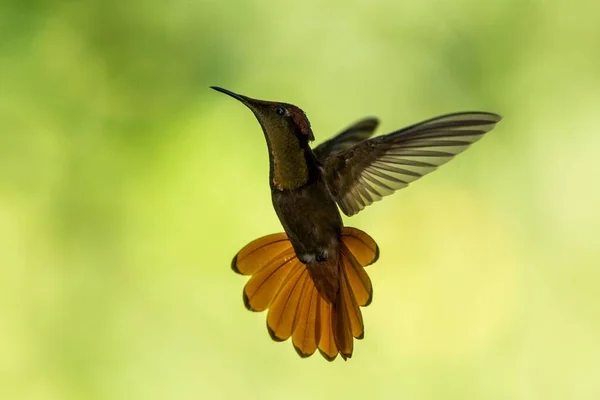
(126, 186)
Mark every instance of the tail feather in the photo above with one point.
(258, 253)
(356, 277)
(263, 286)
(327, 344)
(297, 306)
(342, 325)
(352, 309)
(304, 337)
(280, 319)
(362, 246)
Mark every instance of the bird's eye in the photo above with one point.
(280, 111)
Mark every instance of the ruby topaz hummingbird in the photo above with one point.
(312, 278)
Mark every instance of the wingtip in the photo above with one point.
(348, 211)
(494, 116)
(371, 120)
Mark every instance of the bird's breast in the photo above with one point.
(310, 218)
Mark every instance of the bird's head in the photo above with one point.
(277, 119)
(288, 132)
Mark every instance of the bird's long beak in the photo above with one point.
(236, 96)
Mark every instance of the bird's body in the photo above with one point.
(310, 217)
(313, 224)
(312, 277)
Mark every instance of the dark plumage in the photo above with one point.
(312, 277)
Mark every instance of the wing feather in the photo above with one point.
(350, 136)
(374, 168)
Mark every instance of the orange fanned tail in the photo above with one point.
(298, 308)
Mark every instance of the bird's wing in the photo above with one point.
(350, 136)
(377, 167)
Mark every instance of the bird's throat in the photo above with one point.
(289, 167)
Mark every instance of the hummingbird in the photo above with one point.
(311, 278)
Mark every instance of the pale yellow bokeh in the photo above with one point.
(126, 187)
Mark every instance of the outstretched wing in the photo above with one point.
(350, 136)
(377, 167)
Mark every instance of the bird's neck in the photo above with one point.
(291, 164)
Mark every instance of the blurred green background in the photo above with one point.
(126, 187)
